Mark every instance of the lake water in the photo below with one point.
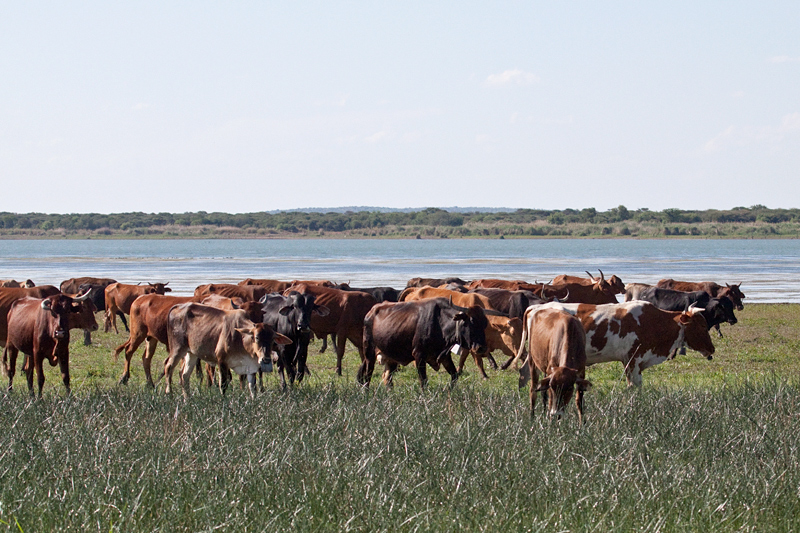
(769, 269)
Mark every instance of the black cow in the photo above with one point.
(97, 286)
(422, 331)
(381, 294)
(291, 316)
(719, 311)
(670, 300)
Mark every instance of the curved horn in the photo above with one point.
(541, 292)
(233, 304)
(555, 298)
(83, 297)
(46, 303)
(588, 274)
(602, 277)
(167, 283)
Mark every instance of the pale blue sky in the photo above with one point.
(252, 106)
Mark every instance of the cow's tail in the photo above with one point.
(523, 344)
(4, 365)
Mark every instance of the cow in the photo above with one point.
(248, 293)
(345, 318)
(636, 333)
(714, 290)
(290, 315)
(422, 332)
(509, 285)
(434, 282)
(464, 299)
(510, 302)
(97, 286)
(148, 323)
(272, 285)
(39, 328)
(381, 294)
(592, 291)
(220, 338)
(120, 297)
(502, 333)
(9, 295)
(556, 346)
(14, 284)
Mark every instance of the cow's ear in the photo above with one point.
(685, 318)
(543, 385)
(281, 339)
(285, 310)
(167, 289)
(583, 384)
(461, 316)
(514, 323)
(321, 310)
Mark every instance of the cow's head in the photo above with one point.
(734, 293)
(82, 315)
(158, 288)
(696, 333)
(560, 386)
(298, 310)
(61, 307)
(471, 325)
(510, 331)
(257, 340)
(29, 284)
(721, 310)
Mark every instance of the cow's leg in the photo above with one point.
(447, 362)
(87, 337)
(121, 316)
(579, 405)
(463, 360)
(107, 320)
(422, 368)
(189, 362)
(176, 354)
(147, 360)
(10, 363)
(63, 363)
(719, 331)
(301, 356)
(633, 373)
(492, 361)
(534, 385)
(39, 364)
(324, 344)
(388, 374)
(224, 376)
(341, 340)
(251, 380)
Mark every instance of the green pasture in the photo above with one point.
(711, 446)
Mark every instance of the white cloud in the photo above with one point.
(734, 136)
(783, 59)
(512, 77)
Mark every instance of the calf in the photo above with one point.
(217, 337)
(556, 346)
(502, 334)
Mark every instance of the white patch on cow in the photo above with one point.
(242, 364)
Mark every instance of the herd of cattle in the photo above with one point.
(556, 329)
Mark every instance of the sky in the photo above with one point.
(253, 106)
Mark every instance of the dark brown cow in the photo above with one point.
(120, 297)
(714, 290)
(97, 286)
(248, 293)
(272, 285)
(345, 318)
(9, 295)
(220, 338)
(556, 346)
(148, 322)
(39, 328)
(423, 332)
(588, 291)
(12, 283)
(511, 303)
(434, 282)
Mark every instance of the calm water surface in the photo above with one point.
(769, 269)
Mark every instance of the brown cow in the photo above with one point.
(588, 291)
(463, 299)
(218, 337)
(97, 286)
(39, 328)
(248, 293)
(148, 322)
(345, 318)
(556, 344)
(502, 334)
(9, 295)
(434, 282)
(120, 297)
(714, 290)
(272, 285)
(12, 283)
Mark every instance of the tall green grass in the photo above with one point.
(699, 447)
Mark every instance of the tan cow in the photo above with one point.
(120, 297)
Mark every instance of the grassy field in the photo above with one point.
(711, 446)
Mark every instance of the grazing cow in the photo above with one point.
(666, 299)
(637, 333)
(345, 318)
(14, 284)
(248, 293)
(39, 328)
(424, 332)
(511, 303)
(290, 316)
(218, 337)
(120, 297)
(97, 286)
(434, 282)
(148, 322)
(9, 295)
(272, 285)
(714, 290)
(502, 334)
(556, 346)
(593, 291)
